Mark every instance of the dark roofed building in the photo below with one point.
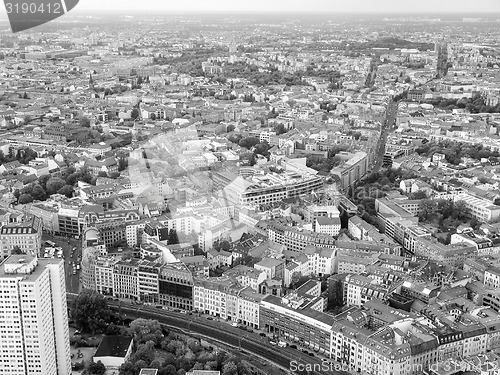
(114, 351)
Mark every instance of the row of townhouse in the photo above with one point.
(270, 188)
(296, 239)
(369, 337)
(228, 299)
(146, 280)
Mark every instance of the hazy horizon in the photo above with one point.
(297, 6)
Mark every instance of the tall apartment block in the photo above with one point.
(34, 332)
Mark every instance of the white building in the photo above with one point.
(34, 325)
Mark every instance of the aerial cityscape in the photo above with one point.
(217, 191)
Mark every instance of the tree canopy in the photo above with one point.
(145, 330)
(90, 311)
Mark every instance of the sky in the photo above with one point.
(341, 6)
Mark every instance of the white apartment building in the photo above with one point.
(354, 286)
(482, 209)
(125, 280)
(492, 277)
(34, 319)
(26, 236)
(224, 298)
(321, 260)
(329, 226)
(133, 232)
(247, 276)
(104, 275)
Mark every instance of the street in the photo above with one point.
(387, 126)
(72, 281)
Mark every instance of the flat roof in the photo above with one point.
(113, 346)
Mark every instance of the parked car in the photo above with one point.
(234, 324)
(262, 334)
(273, 343)
(210, 318)
(293, 346)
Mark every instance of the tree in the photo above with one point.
(421, 194)
(152, 116)
(54, 184)
(172, 239)
(42, 181)
(17, 250)
(335, 295)
(249, 142)
(122, 164)
(38, 193)
(134, 114)
(102, 174)
(66, 190)
(145, 330)
(170, 370)
(230, 368)
(90, 311)
(145, 352)
(84, 121)
(25, 199)
(96, 368)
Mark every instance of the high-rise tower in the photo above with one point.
(34, 332)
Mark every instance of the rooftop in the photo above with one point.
(113, 346)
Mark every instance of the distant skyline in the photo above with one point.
(330, 6)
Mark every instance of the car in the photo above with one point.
(74, 272)
(210, 318)
(234, 324)
(262, 334)
(311, 354)
(293, 346)
(244, 328)
(250, 330)
(282, 344)
(305, 351)
(273, 343)
(159, 307)
(183, 312)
